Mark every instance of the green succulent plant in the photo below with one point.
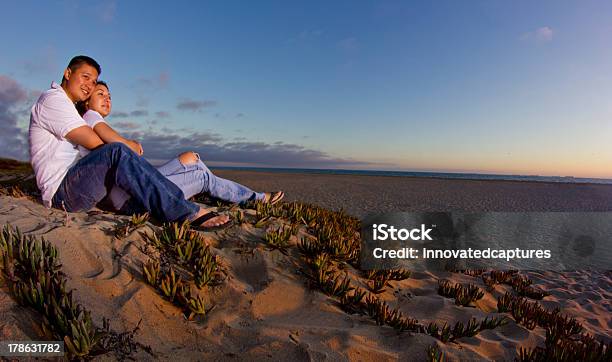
(238, 217)
(336, 287)
(434, 354)
(278, 239)
(169, 285)
(196, 306)
(34, 274)
(151, 272)
(464, 295)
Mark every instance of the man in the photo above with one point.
(74, 184)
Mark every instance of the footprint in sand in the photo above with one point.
(253, 272)
(117, 259)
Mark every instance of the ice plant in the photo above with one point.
(464, 295)
(34, 276)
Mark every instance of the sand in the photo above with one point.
(360, 195)
(265, 310)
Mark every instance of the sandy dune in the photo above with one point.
(264, 309)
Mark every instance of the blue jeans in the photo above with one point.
(192, 179)
(116, 165)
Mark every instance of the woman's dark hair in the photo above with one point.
(101, 82)
(81, 106)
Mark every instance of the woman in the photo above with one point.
(187, 171)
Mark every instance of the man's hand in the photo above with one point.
(84, 136)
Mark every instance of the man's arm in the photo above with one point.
(108, 135)
(85, 137)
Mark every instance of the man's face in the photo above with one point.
(80, 82)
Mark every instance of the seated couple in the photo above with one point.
(79, 162)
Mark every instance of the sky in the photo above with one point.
(505, 87)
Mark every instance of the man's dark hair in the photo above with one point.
(81, 106)
(76, 62)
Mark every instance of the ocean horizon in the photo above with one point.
(422, 174)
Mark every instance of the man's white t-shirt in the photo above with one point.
(51, 154)
(92, 118)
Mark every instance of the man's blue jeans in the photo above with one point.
(115, 164)
(192, 179)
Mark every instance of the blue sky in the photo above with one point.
(515, 87)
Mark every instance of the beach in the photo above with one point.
(360, 195)
(265, 306)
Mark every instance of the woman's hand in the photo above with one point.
(136, 147)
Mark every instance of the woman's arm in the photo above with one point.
(109, 135)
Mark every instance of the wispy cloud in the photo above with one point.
(542, 34)
(163, 79)
(167, 143)
(106, 11)
(305, 36)
(194, 105)
(162, 114)
(135, 113)
(126, 125)
(164, 146)
(158, 81)
(43, 61)
(142, 101)
(349, 44)
(139, 113)
(119, 115)
(13, 138)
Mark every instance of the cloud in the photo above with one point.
(126, 125)
(193, 105)
(163, 79)
(543, 34)
(159, 81)
(136, 113)
(13, 138)
(348, 44)
(42, 62)
(162, 114)
(139, 113)
(166, 145)
(309, 34)
(142, 101)
(305, 36)
(239, 115)
(106, 11)
(119, 115)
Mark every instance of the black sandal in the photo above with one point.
(197, 223)
(275, 197)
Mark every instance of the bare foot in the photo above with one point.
(212, 222)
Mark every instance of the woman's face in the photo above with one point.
(100, 100)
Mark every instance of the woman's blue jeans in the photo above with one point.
(192, 179)
(116, 165)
